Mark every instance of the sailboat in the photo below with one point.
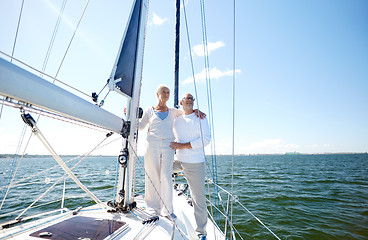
(124, 217)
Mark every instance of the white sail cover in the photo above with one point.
(27, 87)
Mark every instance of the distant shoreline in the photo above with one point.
(255, 154)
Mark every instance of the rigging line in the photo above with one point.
(106, 95)
(103, 88)
(52, 186)
(39, 134)
(207, 65)
(44, 74)
(209, 94)
(16, 34)
(233, 135)
(192, 67)
(12, 173)
(46, 170)
(75, 30)
(162, 201)
(48, 53)
(2, 106)
(20, 160)
(53, 36)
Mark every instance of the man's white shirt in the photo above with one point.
(188, 128)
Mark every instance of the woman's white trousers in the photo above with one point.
(158, 162)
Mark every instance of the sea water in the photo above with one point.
(296, 196)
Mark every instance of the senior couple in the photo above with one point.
(170, 130)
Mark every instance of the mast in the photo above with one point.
(177, 41)
(125, 79)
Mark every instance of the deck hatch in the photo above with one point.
(79, 227)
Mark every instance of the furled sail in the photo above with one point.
(122, 76)
(126, 79)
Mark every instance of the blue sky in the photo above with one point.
(301, 69)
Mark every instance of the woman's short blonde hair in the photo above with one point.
(160, 87)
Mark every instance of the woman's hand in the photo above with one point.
(199, 114)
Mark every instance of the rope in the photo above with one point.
(116, 180)
(16, 33)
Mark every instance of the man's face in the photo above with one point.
(187, 101)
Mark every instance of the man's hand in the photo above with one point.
(199, 114)
(176, 145)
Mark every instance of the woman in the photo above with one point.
(159, 157)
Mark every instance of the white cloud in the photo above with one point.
(318, 146)
(157, 20)
(211, 46)
(214, 73)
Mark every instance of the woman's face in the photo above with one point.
(164, 95)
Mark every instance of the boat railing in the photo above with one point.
(221, 207)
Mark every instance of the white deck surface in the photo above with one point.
(160, 230)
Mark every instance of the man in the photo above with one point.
(192, 134)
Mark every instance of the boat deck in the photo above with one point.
(95, 222)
